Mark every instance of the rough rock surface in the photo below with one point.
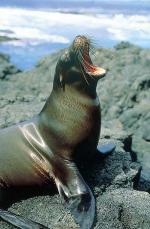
(125, 94)
(113, 178)
(6, 68)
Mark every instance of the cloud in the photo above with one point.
(130, 27)
(40, 26)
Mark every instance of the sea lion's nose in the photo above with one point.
(80, 40)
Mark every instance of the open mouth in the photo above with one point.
(82, 46)
(88, 65)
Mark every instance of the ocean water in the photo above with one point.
(43, 27)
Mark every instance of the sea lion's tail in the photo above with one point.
(19, 221)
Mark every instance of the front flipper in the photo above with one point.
(78, 197)
(82, 208)
(19, 221)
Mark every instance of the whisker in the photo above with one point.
(93, 53)
(92, 48)
(92, 41)
(84, 75)
(80, 57)
(85, 63)
(76, 54)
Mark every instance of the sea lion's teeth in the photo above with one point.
(97, 72)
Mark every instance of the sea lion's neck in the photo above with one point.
(67, 118)
(70, 97)
(62, 107)
(85, 87)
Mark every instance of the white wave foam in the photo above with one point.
(43, 26)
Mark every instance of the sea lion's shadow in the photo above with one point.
(91, 170)
(17, 194)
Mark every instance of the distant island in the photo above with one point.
(6, 38)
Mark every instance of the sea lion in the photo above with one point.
(50, 144)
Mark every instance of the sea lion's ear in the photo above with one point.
(62, 81)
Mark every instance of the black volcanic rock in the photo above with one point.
(125, 93)
(6, 67)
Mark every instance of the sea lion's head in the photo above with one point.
(75, 66)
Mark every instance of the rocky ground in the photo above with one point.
(116, 180)
(125, 96)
